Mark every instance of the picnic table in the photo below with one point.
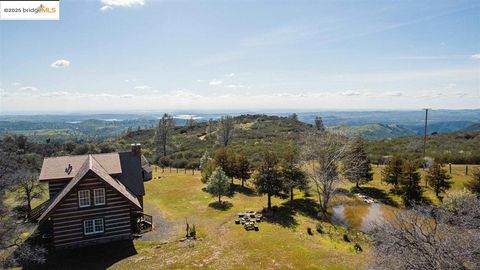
(249, 219)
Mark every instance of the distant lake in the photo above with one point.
(112, 120)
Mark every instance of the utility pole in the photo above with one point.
(425, 132)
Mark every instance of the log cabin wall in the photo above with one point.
(55, 186)
(68, 218)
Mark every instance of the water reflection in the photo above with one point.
(361, 217)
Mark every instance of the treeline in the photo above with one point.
(61, 131)
(456, 148)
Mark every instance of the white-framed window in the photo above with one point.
(99, 196)
(83, 198)
(93, 226)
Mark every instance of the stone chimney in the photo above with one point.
(136, 149)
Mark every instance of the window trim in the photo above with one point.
(94, 223)
(95, 198)
(79, 198)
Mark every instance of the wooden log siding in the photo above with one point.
(67, 218)
(54, 187)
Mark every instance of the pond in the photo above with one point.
(360, 216)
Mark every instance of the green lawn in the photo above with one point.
(283, 244)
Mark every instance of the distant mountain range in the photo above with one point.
(368, 124)
(382, 131)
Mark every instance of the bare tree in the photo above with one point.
(28, 188)
(10, 231)
(428, 237)
(319, 124)
(226, 126)
(163, 134)
(322, 154)
(209, 130)
(190, 122)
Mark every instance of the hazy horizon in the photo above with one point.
(199, 111)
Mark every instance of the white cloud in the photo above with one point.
(215, 82)
(476, 56)
(16, 84)
(105, 8)
(230, 75)
(110, 4)
(460, 94)
(351, 93)
(183, 94)
(142, 87)
(235, 86)
(55, 94)
(61, 63)
(451, 86)
(200, 81)
(394, 94)
(28, 89)
(432, 57)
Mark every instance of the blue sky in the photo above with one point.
(108, 55)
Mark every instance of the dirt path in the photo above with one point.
(163, 228)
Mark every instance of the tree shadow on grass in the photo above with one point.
(305, 206)
(223, 206)
(375, 193)
(284, 214)
(244, 190)
(100, 256)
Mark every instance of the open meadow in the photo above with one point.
(283, 241)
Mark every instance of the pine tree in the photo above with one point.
(392, 172)
(356, 164)
(242, 170)
(204, 160)
(409, 184)
(293, 174)
(268, 178)
(208, 170)
(218, 184)
(437, 178)
(474, 184)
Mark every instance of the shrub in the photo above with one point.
(454, 201)
(180, 163)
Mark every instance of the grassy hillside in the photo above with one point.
(253, 134)
(458, 147)
(281, 243)
(474, 127)
(380, 131)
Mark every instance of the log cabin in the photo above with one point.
(95, 198)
